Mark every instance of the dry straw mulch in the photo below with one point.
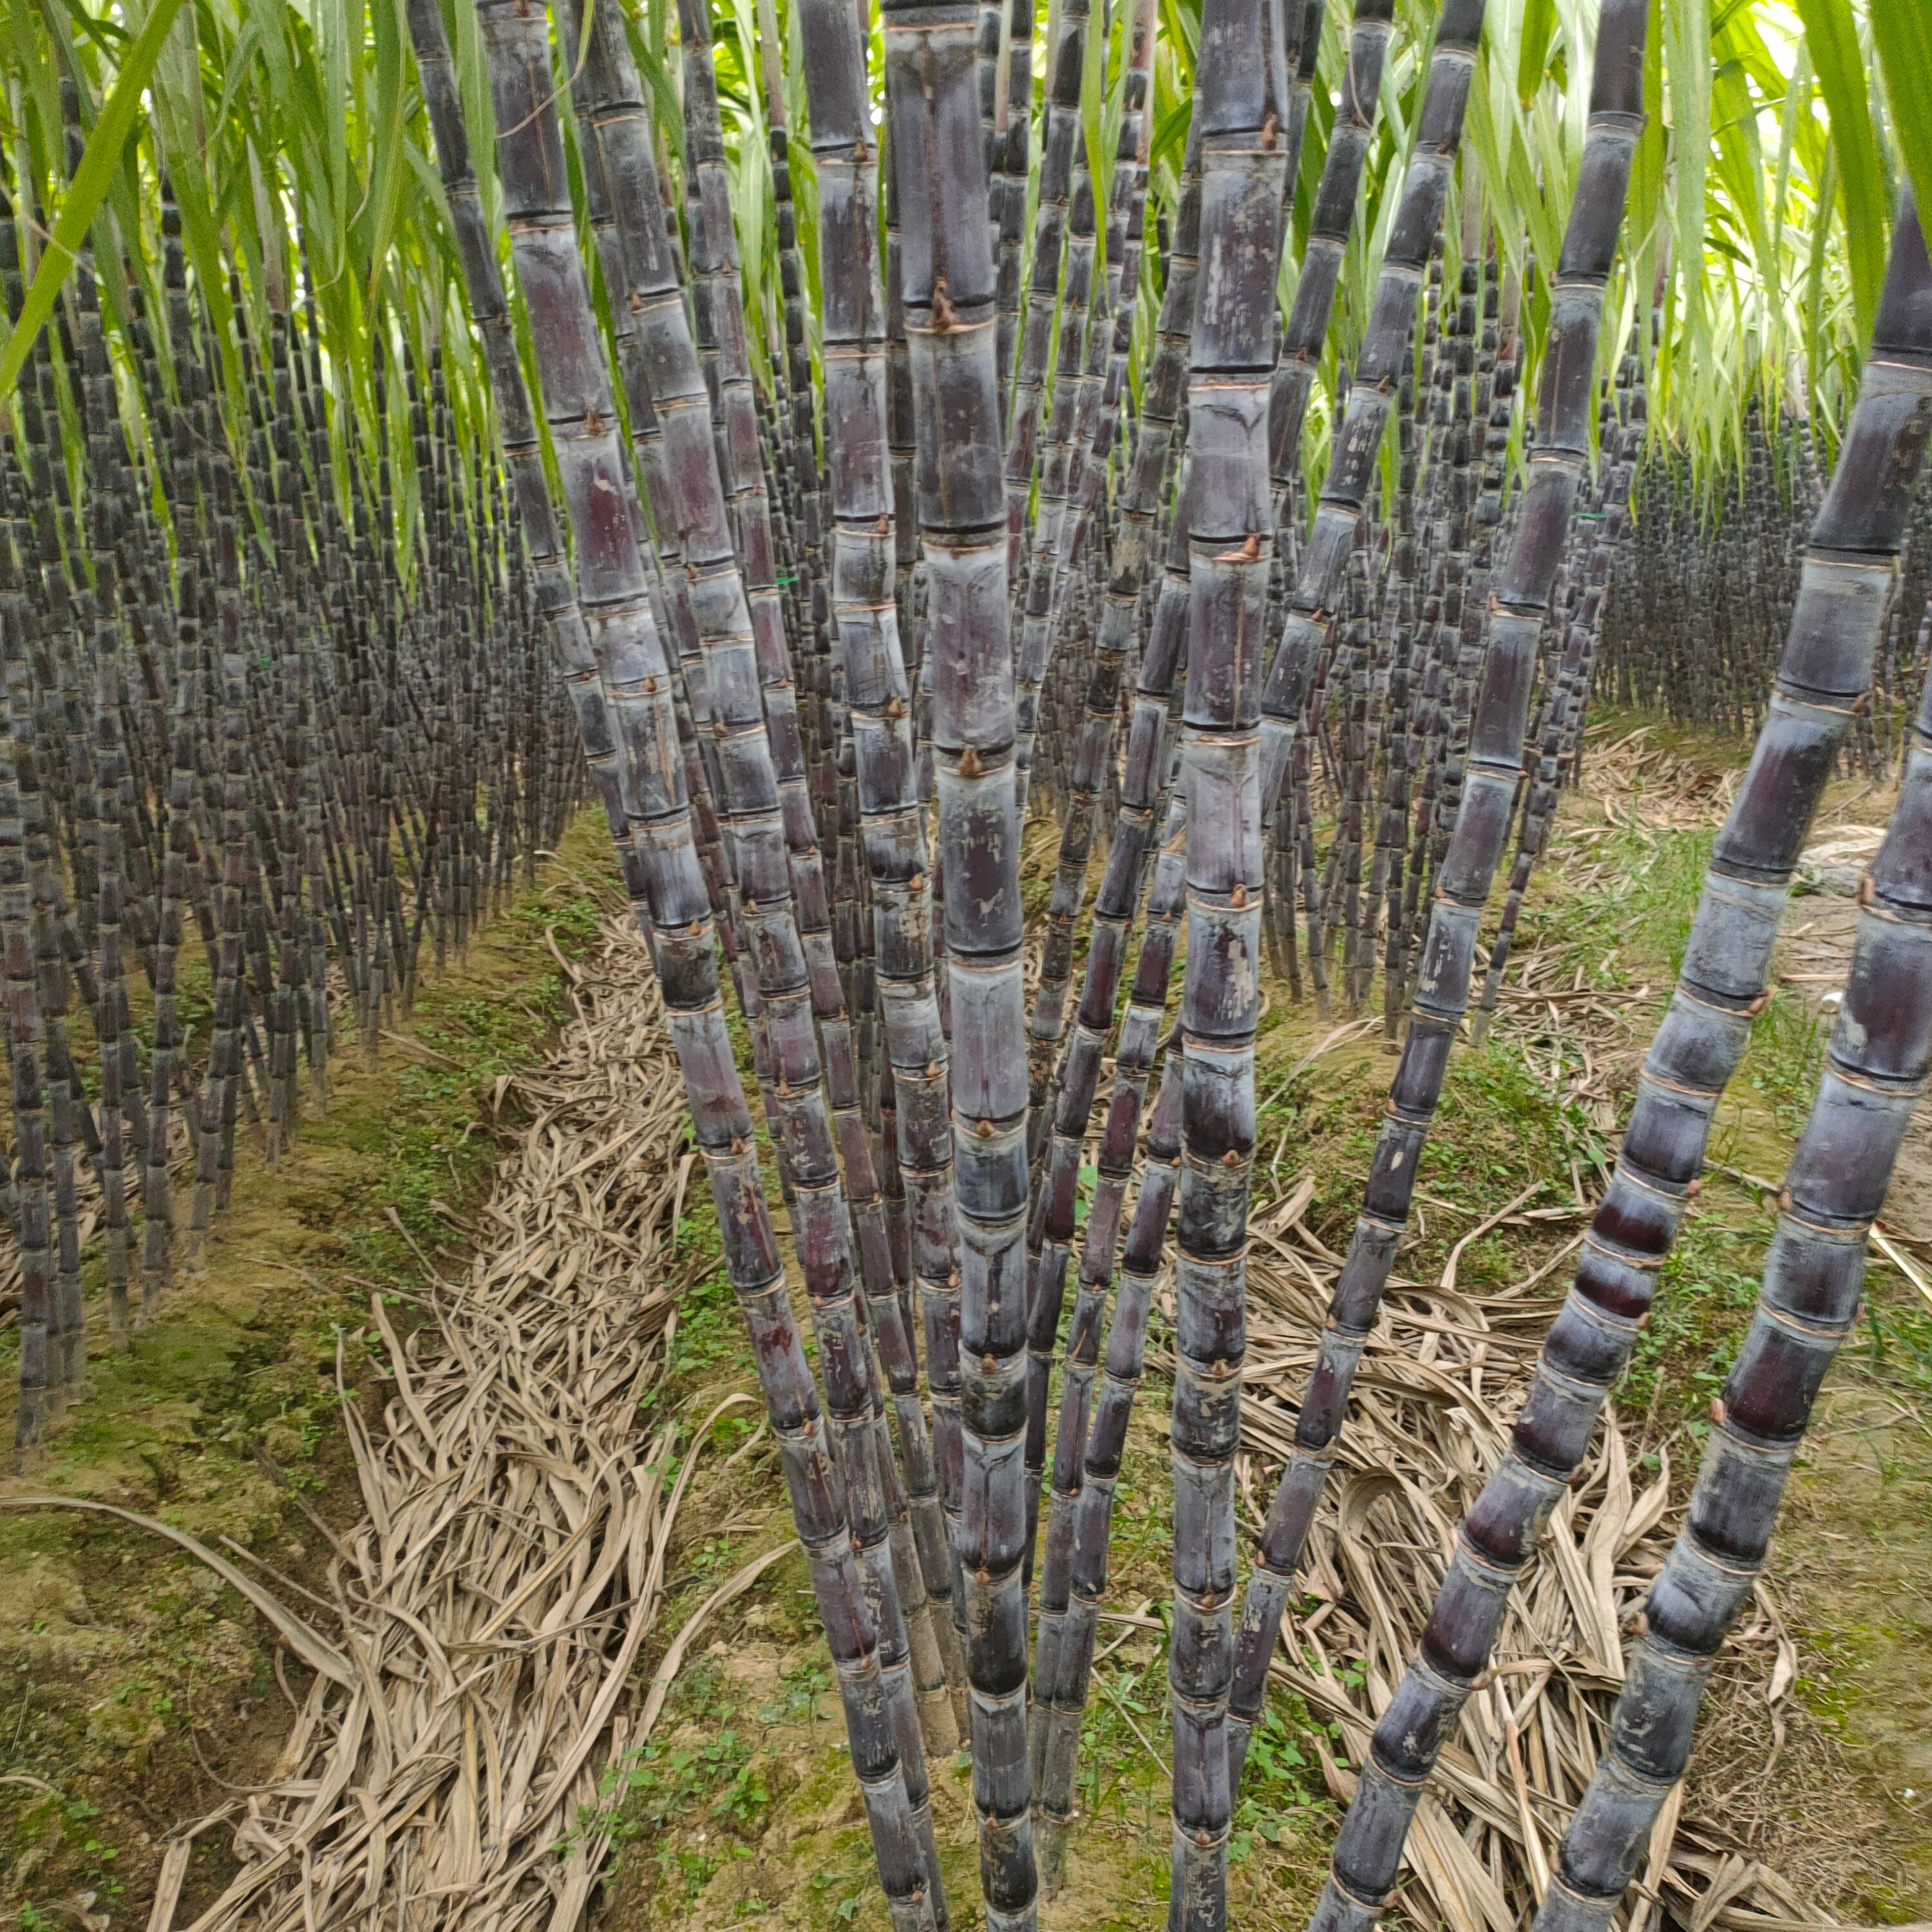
(1443, 1376)
(471, 1650)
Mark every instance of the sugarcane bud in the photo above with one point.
(1269, 130)
(1758, 1005)
(1785, 1202)
(1867, 891)
(593, 423)
(986, 1130)
(1717, 1409)
(1482, 1680)
(1240, 897)
(969, 763)
(1230, 1159)
(894, 709)
(1639, 1624)
(650, 687)
(1694, 1188)
(953, 1279)
(916, 884)
(989, 1365)
(885, 524)
(942, 305)
(933, 1071)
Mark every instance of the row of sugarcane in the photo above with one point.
(231, 724)
(820, 600)
(892, 748)
(1704, 591)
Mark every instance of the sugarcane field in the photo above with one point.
(966, 965)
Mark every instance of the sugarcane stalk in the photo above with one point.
(1244, 102)
(948, 285)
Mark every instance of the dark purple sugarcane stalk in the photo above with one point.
(1332, 222)
(1243, 105)
(1874, 1075)
(1567, 699)
(1062, 132)
(878, 707)
(1013, 128)
(1047, 1027)
(1384, 354)
(951, 327)
(1496, 744)
(1051, 1233)
(661, 861)
(1063, 1654)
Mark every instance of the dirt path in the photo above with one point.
(479, 1625)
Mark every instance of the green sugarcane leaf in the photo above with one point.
(1832, 35)
(98, 165)
(1539, 29)
(1904, 38)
